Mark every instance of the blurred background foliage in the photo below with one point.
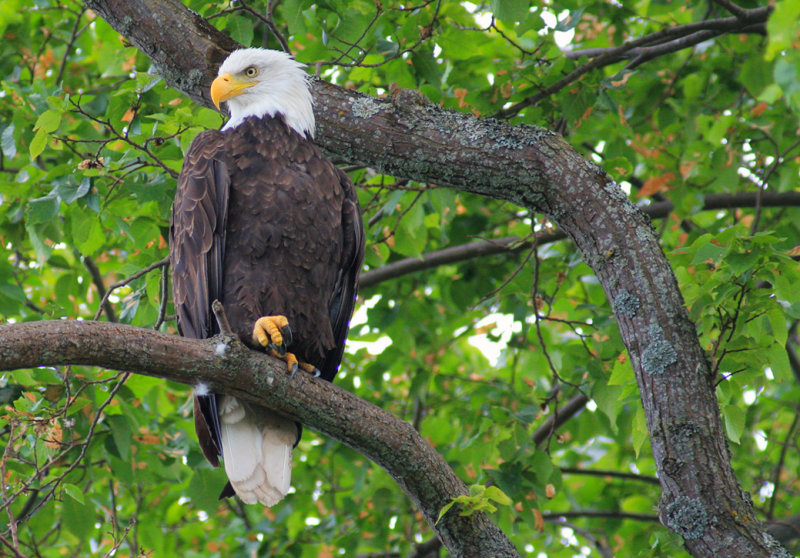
(476, 353)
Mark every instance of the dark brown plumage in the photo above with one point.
(263, 222)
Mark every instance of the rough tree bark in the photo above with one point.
(701, 499)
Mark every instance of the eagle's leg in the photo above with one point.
(274, 333)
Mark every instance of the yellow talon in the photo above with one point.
(274, 333)
(292, 364)
(269, 331)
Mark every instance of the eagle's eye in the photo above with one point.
(251, 71)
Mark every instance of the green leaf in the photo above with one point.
(7, 143)
(69, 189)
(38, 143)
(782, 27)
(778, 325)
(619, 167)
(621, 374)
(778, 361)
(609, 402)
(48, 121)
(240, 29)
(735, 419)
(497, 495)
(710, 251)
(639, 431)
(87, 233)
(409, 241)
(78, 518)
(42, 210)
(121, 434)
(10, 393)
(755, 75)
(444, 510)
(509, 10)
(205, 486)
(74, 492)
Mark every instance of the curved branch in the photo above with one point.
(227, 366)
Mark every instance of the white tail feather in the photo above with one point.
(257, 451)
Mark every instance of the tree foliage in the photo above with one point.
(693, 105)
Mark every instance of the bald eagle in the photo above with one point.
(268, 226)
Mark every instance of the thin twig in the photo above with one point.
(74, 35)
(97, 279)
(164, 294)
(738, 11)
(776, 477)
(118, 284)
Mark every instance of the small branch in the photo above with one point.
(757, 16)
(118, 284)
(514, 244)
(738, 11)
(559, 417)
(271, 5)
(74, 35)
(614, 474)
(555, 516)
(8, 544)
(776, 477)
(162, 307)
(97, 279)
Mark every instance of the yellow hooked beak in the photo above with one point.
(226, 86)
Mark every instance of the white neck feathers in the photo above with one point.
(281, 88)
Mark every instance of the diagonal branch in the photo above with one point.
(752, 21)
(229, 367)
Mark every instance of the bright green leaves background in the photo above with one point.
(92, 141)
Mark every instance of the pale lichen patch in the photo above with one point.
(659, 354)
(688, 517)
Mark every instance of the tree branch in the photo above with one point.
(515, 244)
(605, 57)
(227, 366)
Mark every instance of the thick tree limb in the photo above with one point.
(534, 168)
(228, 366)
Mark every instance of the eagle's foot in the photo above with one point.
(274, 333)
(292, 364)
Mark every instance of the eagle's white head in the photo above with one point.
(259, 82)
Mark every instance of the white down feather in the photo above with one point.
(256, 450)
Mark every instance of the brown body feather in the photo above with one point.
(263, 222)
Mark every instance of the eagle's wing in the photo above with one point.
(343, 299)
(197, 245)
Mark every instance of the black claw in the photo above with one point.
(280, 350)
(286, 331)
(316, 373)
(294, 371)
